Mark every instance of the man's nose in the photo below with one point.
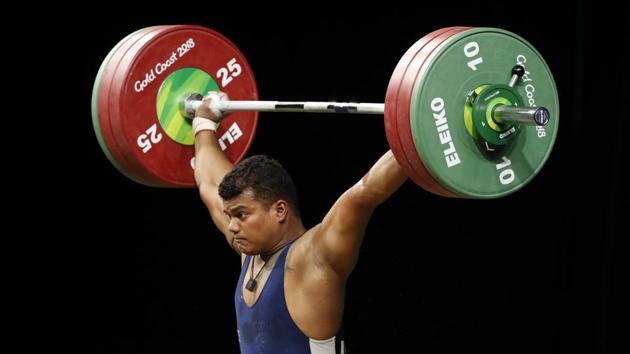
(234, 226)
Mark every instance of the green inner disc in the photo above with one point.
(177, 86)
(489, 130)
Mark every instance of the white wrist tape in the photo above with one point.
(201, 123)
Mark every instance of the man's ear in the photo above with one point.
(280, 210)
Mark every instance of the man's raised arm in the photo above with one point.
(211, 164)
(341, 232)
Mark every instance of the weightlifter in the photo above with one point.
(290, 293)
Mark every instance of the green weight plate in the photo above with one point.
(476, 57)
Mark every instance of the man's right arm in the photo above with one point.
(211, 165)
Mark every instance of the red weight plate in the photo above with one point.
(123, 164)
(133, 100)
(391, 98)
(96, 93)
(419, 176)
(403, 111)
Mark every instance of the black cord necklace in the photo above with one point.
(252, 282)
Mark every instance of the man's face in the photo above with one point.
(251, 223)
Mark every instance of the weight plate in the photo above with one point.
(99, 96)
(403, 115)
(391, 108)
(135, 101)
(470, 59)
(126, 166)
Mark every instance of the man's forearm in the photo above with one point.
(211, 164)
(383, 179)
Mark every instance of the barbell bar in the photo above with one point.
(193, 101)
(500, 114)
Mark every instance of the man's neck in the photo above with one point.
(291, 233)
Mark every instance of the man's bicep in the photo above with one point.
(343, 228)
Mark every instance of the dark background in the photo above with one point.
(535, 272)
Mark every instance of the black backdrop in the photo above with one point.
(150, 274)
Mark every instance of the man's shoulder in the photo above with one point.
(304, 246)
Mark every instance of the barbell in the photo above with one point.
(468, 112)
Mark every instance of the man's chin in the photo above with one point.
(248, 251)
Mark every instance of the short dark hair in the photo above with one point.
(265, 177)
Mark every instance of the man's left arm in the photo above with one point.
(341, 232)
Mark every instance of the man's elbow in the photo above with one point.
(207, 192)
